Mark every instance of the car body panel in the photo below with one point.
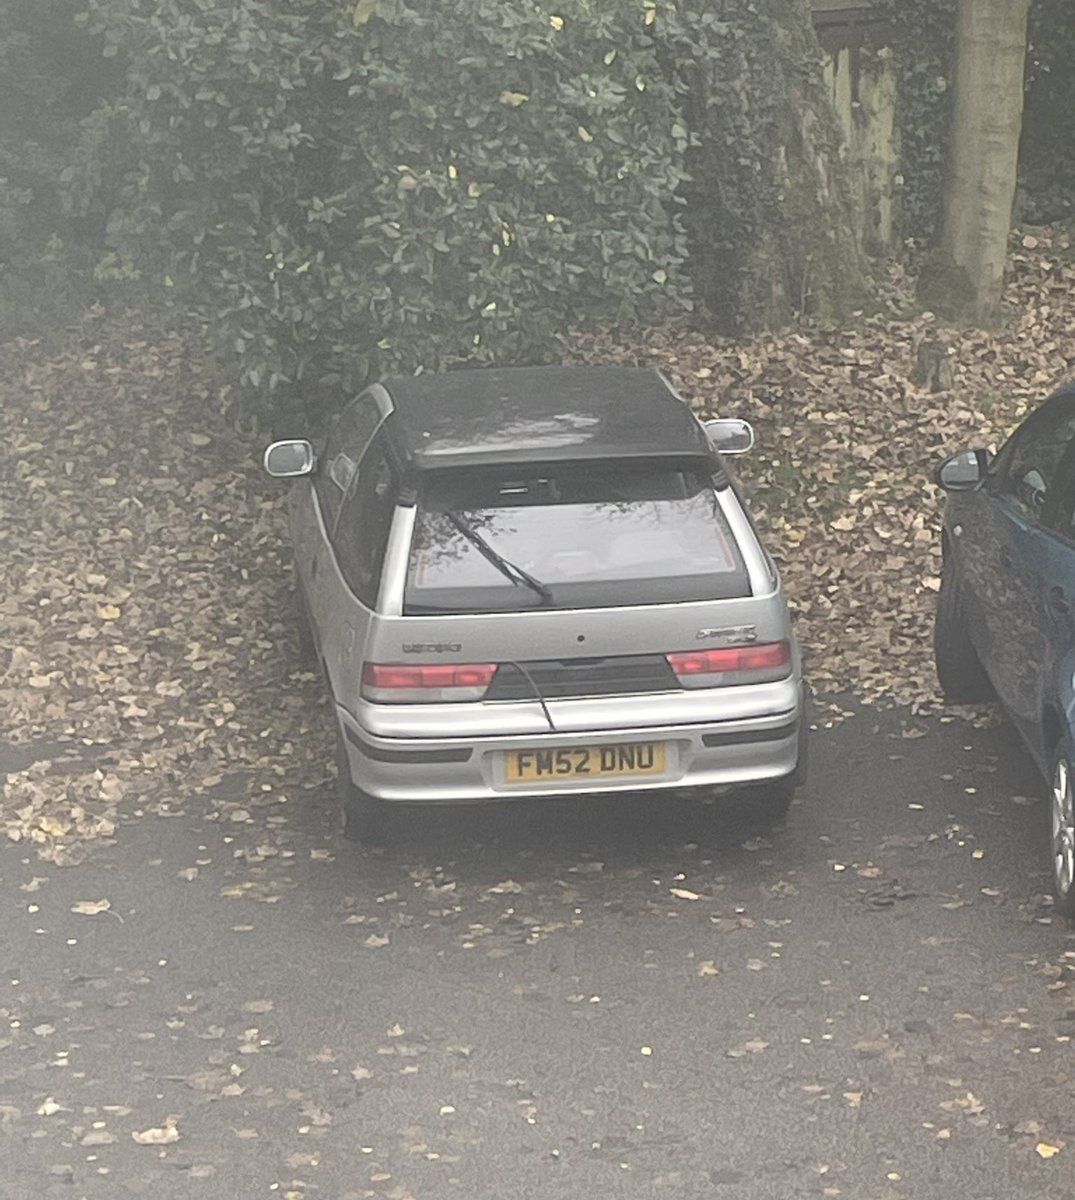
(1001, 558)
(1013, 552)
(452, 751)
(742, 751)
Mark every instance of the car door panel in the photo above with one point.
(1025, 633)
(975, 534)
(1020, 565)
(1058, 599)
(315, 509)
(358, 542)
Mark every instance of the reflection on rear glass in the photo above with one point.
(598, 536)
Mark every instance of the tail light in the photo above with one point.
(406, 683)
(726, 665)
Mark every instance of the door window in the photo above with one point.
(361, 533)
(345, 446)
(1028, 474)
(1063, 520)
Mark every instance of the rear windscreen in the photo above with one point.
(584, 535)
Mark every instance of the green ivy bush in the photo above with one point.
(1047, 151)
(921, 35)
(392, 185)
(772, 232)
(721, 60)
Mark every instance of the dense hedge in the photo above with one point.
(395, 185)
(921, 35)
(722, 59)
(342, 190)
(772, 229)
(1047, 152)
(346, 190)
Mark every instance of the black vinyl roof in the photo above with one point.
(540, 414)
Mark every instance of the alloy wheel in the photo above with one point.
(1062, 828)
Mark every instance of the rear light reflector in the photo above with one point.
(426, 683)
(724, 665)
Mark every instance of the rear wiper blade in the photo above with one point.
(506, 568)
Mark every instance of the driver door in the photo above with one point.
(1017, 552)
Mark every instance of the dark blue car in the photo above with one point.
(1006, 611)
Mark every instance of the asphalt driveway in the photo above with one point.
(625, 999)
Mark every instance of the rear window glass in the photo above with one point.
(585, 535)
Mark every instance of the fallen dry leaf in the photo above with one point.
(160, 1135)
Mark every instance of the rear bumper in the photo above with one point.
(445, 770)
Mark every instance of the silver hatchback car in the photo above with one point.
(540, 582)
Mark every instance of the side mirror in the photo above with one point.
(729, 435)
(963, 472)
(286, 459)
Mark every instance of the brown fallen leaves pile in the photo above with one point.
(145, 594)
(145, 607)
(841, 478)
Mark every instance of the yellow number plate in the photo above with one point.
(579, 763)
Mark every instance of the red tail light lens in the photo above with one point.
(724, 665)
(407, 683)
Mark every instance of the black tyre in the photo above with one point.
(1062, 828)
(959, 669)
(364, 817)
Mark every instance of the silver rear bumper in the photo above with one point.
(463, 770)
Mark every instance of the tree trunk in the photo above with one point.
(986, 124)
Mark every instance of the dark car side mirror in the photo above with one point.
(963, 472)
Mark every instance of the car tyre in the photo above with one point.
(364, 817)
(1062, 828)
(960, 673)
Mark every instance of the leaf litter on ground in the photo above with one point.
(146, 582)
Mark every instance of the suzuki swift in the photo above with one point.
(539, 582)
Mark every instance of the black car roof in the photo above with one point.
(540, 414)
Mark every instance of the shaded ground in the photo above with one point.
(625, 999)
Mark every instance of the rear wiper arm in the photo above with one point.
(506, 568)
